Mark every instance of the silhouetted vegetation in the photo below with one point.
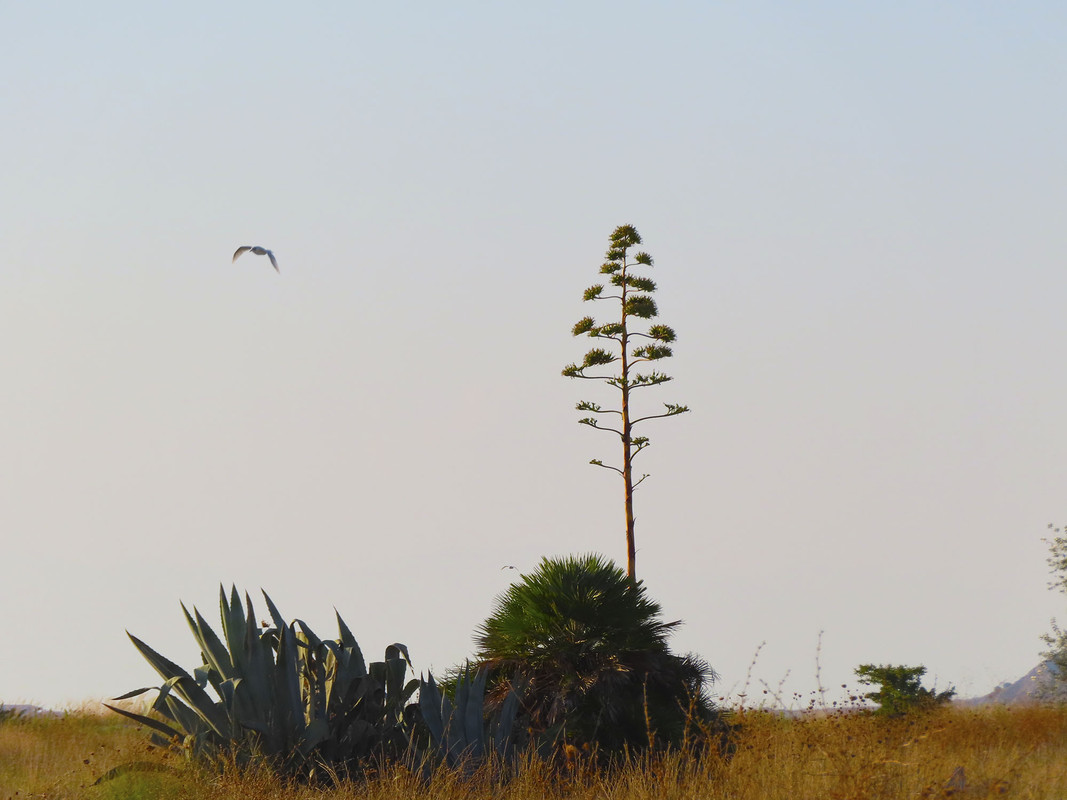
(900, 689)
(582, 643)
(590, 650)
(280, 696)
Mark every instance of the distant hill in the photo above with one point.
(1034, 687)
(24, 710)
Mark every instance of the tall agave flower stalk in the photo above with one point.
(628, 349)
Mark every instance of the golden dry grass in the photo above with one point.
(59, 757)
(989, 752)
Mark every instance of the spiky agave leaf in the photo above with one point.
(166, 730)
(215, 654)
(396, 664)
(464, 732)
(186, 687)
(279, 620)
(287, 702)
(233, 628)
(284, 693)
(256, 683)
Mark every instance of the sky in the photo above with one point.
(856, 215)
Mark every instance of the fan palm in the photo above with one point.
(590, 649)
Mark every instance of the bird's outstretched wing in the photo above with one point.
(259, 251)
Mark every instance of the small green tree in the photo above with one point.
(1055, 687)
(634, 301)
(900, 689)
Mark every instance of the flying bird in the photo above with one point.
(259, 251)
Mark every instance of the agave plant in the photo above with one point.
(462, 732)
(282, 694)
(591, 648)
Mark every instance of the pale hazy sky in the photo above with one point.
(857, 215)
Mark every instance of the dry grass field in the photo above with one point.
(989, 752)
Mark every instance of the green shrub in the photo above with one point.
(900, 689)
(590, 650)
